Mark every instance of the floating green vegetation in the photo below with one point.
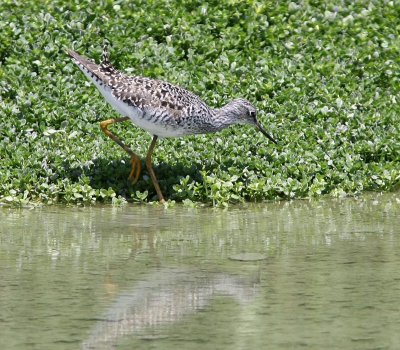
(323, 74)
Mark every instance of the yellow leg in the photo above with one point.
(151, 171)
(136, 165)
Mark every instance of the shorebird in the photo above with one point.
(162, 109)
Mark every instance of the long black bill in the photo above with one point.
(258, 125)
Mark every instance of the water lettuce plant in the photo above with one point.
(324, 76)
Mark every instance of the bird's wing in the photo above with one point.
(140, 92)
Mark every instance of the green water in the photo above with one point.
(145, 277)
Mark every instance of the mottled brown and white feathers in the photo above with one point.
(159, 107)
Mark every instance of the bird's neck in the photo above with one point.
(226, 116)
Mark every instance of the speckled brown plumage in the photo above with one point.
(159, 107)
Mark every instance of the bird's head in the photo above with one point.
(245, 113)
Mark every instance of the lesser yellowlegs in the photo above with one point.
(162, 109)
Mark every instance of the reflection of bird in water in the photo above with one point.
(164, 297)
(162, 109)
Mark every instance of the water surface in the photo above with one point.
(145, 277)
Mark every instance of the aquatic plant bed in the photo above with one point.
(324, 76)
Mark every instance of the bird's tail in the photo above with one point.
(83, 62)
(102, 72)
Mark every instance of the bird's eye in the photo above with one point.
(252, 114)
